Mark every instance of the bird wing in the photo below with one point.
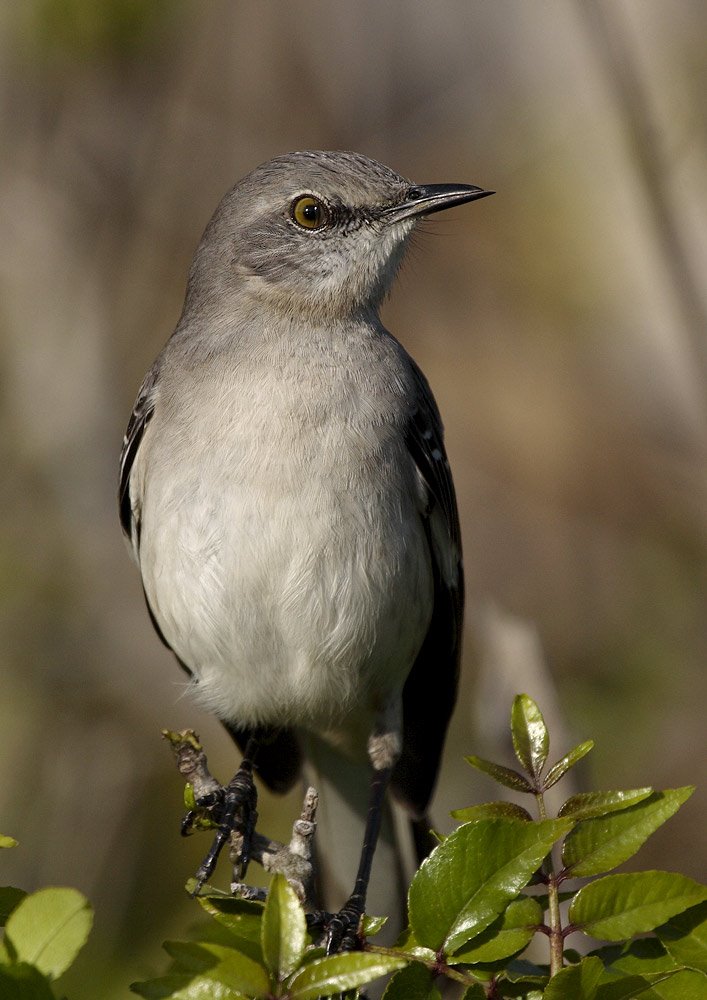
(431, 687)
(139, 419)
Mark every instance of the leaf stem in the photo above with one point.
(555, 933)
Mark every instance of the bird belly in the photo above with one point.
(296, 594)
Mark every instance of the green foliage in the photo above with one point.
(44, 931)
(478, 901)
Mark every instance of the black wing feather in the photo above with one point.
(139, 419)
(431, 688)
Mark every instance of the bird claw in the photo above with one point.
(343, 929)
(234, 812)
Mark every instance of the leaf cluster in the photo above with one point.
(478, 901)
(43, 933)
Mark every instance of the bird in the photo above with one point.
(286, 493)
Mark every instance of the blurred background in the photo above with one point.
(561, 324)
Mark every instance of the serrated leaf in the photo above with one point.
(506, 936)
(10, 897)
(415, 982)
(283, 929)
(589, 804)
(617, 907)
(336, 973)
(684, 937)
(503, 775)
(23, 982)
(492, 810)
(181, 986)
(469, 879)
(6, 841)
(560, 769)
(576, 982)
(48, 928)
(531, 741)
(598, 845)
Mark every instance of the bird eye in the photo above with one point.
(309, 212)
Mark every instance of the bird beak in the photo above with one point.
(424, 199)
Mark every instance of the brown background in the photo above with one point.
(561, 323)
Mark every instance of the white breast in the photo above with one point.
(286, 561)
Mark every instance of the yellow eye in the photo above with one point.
(309, 212)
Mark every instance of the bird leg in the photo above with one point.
(384, 746)
(342, 932)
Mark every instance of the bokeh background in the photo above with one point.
(561, 324)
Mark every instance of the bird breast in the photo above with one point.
(287, 563)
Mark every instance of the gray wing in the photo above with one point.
(139, 419)
(431, 688)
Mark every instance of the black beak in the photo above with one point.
(424, 199)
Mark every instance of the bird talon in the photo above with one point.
(235, 814)
(343, 931)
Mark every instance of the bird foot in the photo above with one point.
(340, 931)
(231, 808)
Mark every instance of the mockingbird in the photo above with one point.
(286, 492)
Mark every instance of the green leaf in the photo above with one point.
(600, 844)
(283, 928)
(475, 992)
(503, 775)
(10, 897)
(636, 958)
(576, 982)
(23, 982)
(684, 936)
(649, 986)
(373, 925)
(242, 917)
(686, 984)
(180, 986)
(416, 982)
(531, 741)
(620, 906)
(589, 804)
(6, 841)
(491, 810)
(469, 879)
(220, 964)
(49, 928)
(336, 973)
(507, 935)
(560, 769)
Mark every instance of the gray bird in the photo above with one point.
(286, 492)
